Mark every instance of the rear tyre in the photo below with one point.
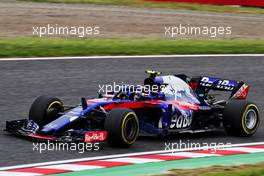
(45, 109)
(122, 126)
(241, 118)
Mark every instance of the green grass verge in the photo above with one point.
(142, 3)
(33, 46)
(243, 170)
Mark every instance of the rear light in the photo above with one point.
(95, 136)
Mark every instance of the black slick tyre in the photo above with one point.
(122, 126)
(241, 118)
(45, 109)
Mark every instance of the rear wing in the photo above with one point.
(238, 89)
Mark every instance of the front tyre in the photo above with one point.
(241, 118)
(45, 109)
(122, 126)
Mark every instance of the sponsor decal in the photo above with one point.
(219, 84)
(242, 92)
(180, 121)
(95, 136)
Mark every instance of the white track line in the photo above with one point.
(7, 173)
(119, 156)
(133, 160)
(127, 57)
(72, 167)
(191, 154)
(245, 149)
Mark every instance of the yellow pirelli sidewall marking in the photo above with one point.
(243, 118)
(123, 125)
(53, 103)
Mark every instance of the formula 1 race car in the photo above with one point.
(163, 105)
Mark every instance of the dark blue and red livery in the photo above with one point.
(168, 104)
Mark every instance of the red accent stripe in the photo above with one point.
(103, 163)
(221, 152)
(162, 157)
(152, 103)
(40, 170)
(132, 105)
(186, 106)
(42, 137)
(257, 3)
(256, 146)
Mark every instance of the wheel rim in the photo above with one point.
(251, 119)
(130, 129)
(55, 104)
(53, 109)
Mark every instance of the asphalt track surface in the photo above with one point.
(22, 81)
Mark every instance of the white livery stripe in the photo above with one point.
(72, 167)
(7, 173)
(133, 160)
(191, 154)
(244, 149)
